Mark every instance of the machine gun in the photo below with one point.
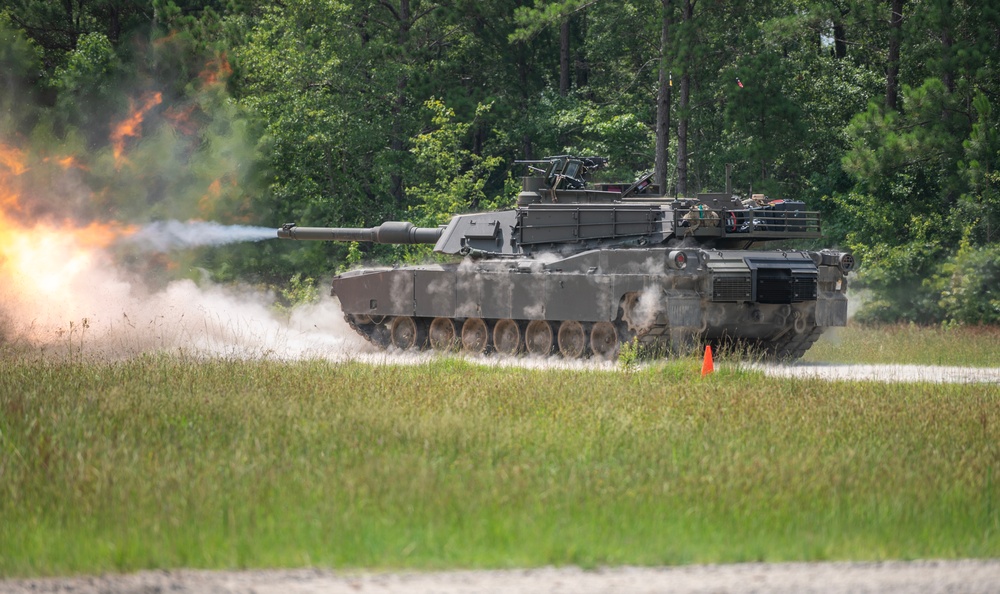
(566, 171)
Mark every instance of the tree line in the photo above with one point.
(351, 112)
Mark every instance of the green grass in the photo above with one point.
(163, 462)
(915, 345)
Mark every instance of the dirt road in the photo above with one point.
(915, 577)
(887, 373)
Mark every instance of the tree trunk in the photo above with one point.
(839, 40)
(663, 106)
(947, 41)
(524, 77)
(682, 134)
(564, 58)
(397, 143)
(892, 71)
(581, 65)
(683, 102)
(115, 25)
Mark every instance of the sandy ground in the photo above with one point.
(916, 577)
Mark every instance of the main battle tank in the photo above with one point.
(580, 270)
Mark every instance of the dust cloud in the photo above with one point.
(100, 217)
(98, 313)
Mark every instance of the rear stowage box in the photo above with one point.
(791, 217)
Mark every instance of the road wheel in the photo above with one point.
(407, 333)
(604, 340)
(539, 338)
(475, 335)
(572, 339)
(443, 335)
(507, 337)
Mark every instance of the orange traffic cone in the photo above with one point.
(706, 366)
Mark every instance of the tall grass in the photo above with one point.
(963, 346)
(164, 462)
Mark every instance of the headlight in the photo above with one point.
(677, 260)
(846, 263)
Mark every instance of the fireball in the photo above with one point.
(44, 263)
(131, 126)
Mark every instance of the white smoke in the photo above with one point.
(654, 267)
(106, 316)
(648, 307)
(163, 236)
(93, 310)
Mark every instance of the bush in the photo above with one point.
(968, 285)
(926, 284)
(896, 278)
(299, 291)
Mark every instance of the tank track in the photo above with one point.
(791, 346)
(656, 338)
(373, 333)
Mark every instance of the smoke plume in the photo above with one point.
(164, 236)
(103, 220)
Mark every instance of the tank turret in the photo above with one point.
(580, 269)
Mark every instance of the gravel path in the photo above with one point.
(914, 577)
(886, 373)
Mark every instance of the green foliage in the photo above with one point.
(291, 66)
(926, 181)
(19, 63)
(354, 256)
(89, 69)
(764, 120)
(969, 285)
(928, 284)
(89, 87)
(980, 205)
(56, 27)
(532, 19)
(629, 355)
(449, 178)
(298, 291)
(896, 275)
(920, 142)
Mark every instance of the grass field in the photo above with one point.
(162, 462)
(915, 345)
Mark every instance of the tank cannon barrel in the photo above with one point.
(389, 232)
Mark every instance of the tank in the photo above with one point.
(580, 269)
